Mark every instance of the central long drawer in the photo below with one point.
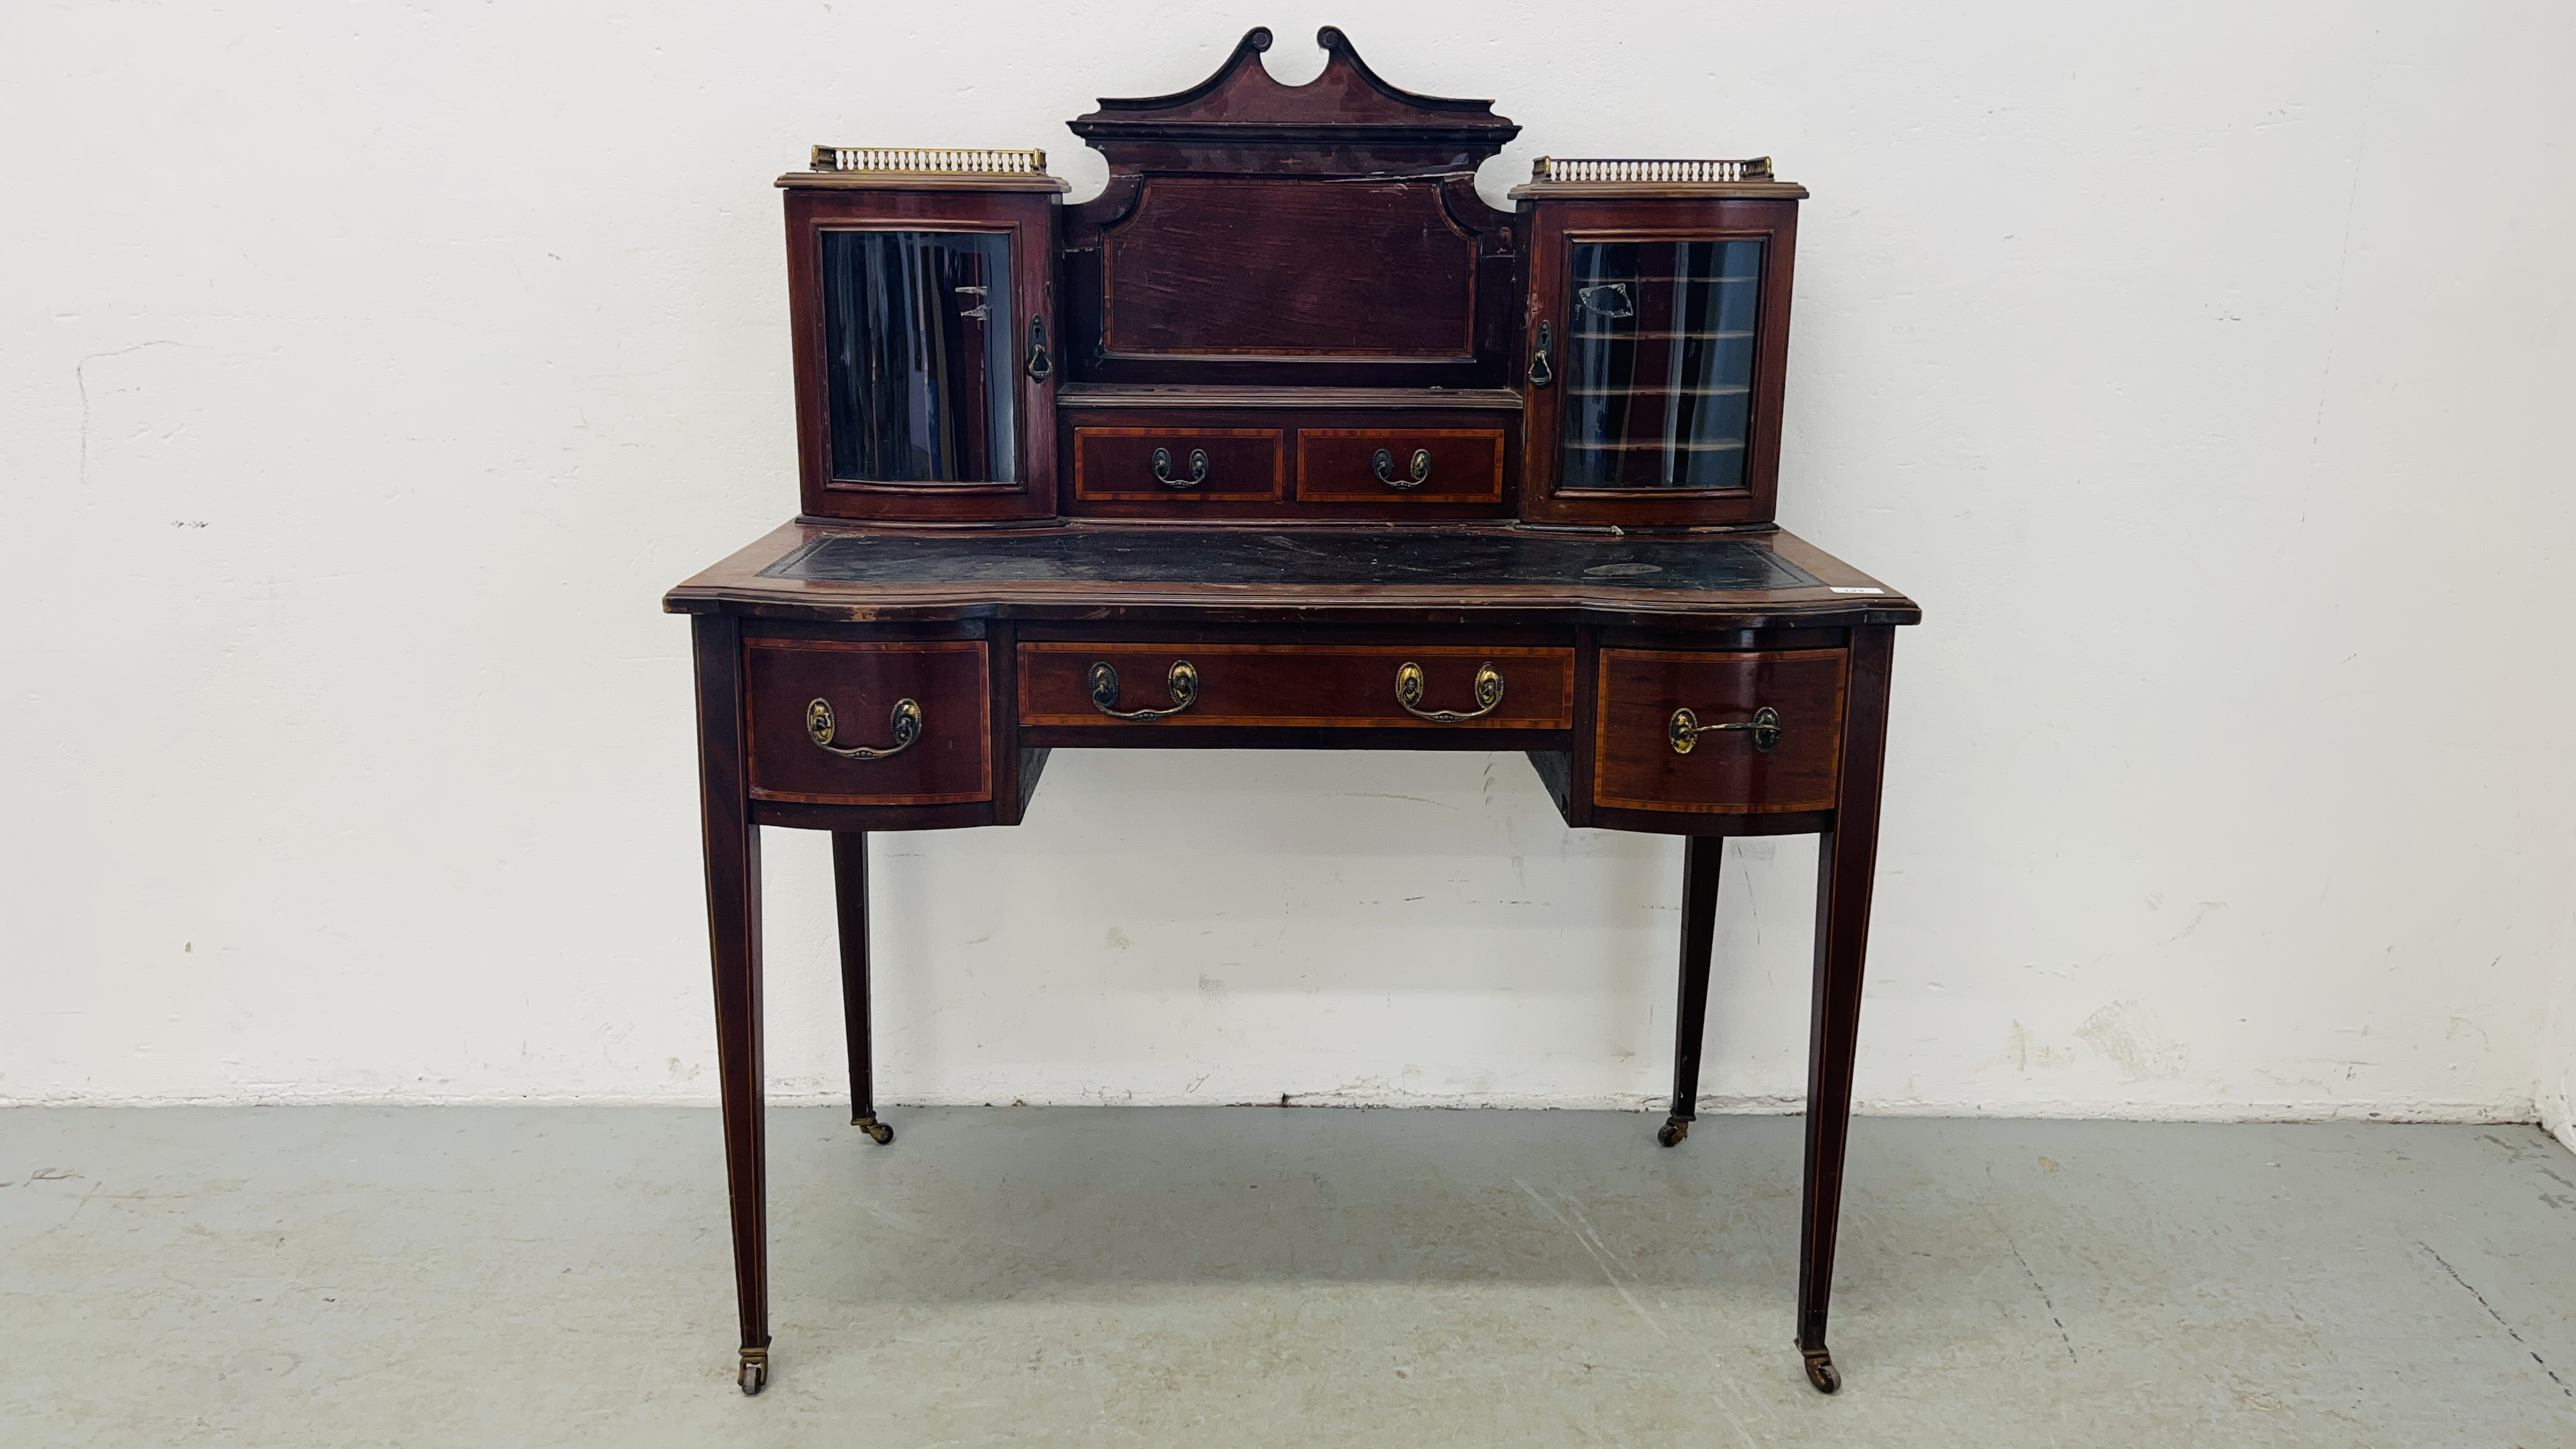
(1168, 686)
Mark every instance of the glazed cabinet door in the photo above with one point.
(925, 357)
(1657, 336)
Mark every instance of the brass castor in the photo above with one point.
(877, 1131)
(1673, 1130)
(1821, 1371)
(755, 1370)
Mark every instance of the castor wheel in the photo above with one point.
(1821, 1371)
(877, 1131)
(755, 1370)
(1673, 1130)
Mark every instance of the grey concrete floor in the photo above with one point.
(545, 1276)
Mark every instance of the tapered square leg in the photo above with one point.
(1846, 860)
(850, 896)
(1700, 857)
(733, 935)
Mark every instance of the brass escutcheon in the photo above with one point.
(1383, 464)
(1039, 368)
(1409, 687)
(1685, 729)
(1184, 682)
(1163, 468)
(906, 722)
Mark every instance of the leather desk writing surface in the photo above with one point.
(1754, 579)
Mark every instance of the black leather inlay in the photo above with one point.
(1317, 559)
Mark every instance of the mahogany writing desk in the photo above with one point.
(1288, 441)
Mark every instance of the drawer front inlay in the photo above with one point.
(1235, 465)
(861, 749)
(1714, 762)
(1296, 685)
(1420, 465)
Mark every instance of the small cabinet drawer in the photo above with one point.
(868, 723)
(1164, 686)
(1686, 731)
(1399, 465)
(1158, 464)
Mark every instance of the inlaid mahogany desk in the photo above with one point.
(1288, 441)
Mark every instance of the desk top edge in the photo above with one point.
(738, 585)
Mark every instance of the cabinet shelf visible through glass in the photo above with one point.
(1723, 390)
(1659, 363)
(1719, 446)
(1612, 335)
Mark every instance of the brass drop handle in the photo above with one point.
(906, 722)
(1685, 729)
(1408, 692)
(1184, 682)
(1540, 374)
(1384, 465)
(1040, 369)
(1163, 468)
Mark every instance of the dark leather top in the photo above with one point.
(1305, 558)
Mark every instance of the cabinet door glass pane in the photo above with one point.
(917, 327)
(1658, 368)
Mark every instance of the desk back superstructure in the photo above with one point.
(1288, 440)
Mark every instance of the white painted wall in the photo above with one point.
(2558, 1059)
(2558, 1082)
(369, 370)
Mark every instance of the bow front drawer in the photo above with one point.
(1750, 733)
(836, 723)
(1157, 687)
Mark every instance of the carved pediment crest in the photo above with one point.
(1347, 113)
